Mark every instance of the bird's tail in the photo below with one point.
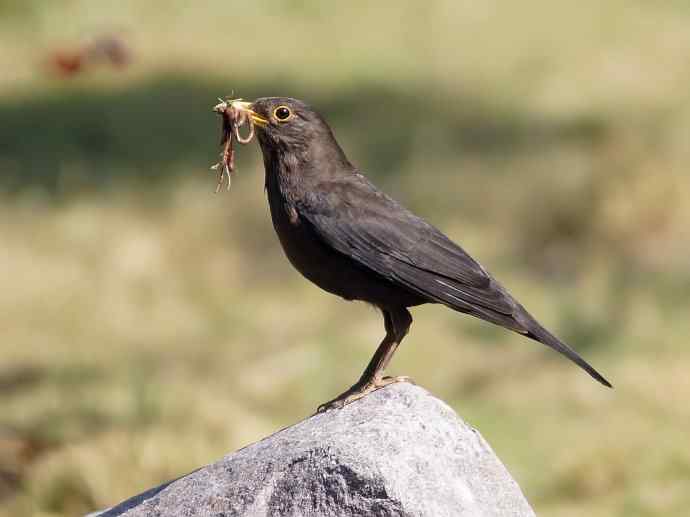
(539, 333)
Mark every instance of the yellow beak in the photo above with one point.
(246, 107)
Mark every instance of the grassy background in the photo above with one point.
(147, 326)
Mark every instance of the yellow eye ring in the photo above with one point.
(282, 113)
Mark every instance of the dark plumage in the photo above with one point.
(351, 239)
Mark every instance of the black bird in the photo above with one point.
(352, 240)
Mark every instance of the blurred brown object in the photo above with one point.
(17, 452)
(110, 50)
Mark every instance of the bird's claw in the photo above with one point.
(359, 391)
(400, 378)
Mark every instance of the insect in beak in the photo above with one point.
(235, 114)
(246, 107)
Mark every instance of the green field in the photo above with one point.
(148, 326)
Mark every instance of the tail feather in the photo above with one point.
(539, 333)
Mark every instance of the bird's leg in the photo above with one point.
(397, 324)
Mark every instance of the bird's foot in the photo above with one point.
(400, 378)
(360, 390)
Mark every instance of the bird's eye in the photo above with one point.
(282, 113)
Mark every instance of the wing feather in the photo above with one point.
(383, 236)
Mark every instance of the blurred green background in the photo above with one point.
(148, 326)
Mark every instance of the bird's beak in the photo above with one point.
(246, 107)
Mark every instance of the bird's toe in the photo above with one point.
(392, 380)
(355, 393)
(359, 391)
(336, 403)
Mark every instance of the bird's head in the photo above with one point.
(284, 121)
(289, 126)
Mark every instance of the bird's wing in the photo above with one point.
(359, 221)
(354, 218)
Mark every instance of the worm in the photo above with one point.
(232, 120)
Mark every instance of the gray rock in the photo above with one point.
(397, 452)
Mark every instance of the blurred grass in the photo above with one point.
(147, 326)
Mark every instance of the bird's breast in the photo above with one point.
(321, 264)
(299, 245)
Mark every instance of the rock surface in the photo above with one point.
(397, 452)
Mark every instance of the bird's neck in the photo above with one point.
(299, 167)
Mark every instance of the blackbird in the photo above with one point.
(349, 238)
